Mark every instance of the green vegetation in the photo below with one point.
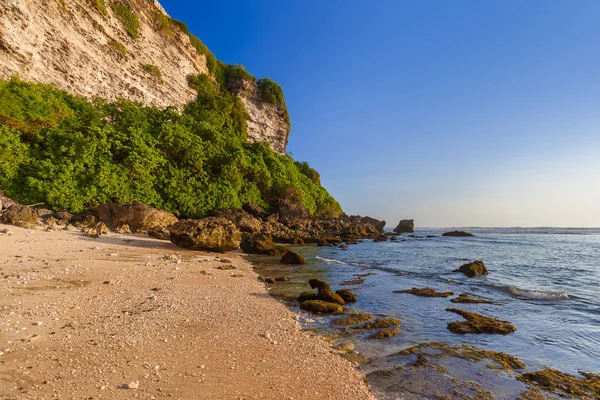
(118, 47)
(153, 70)
(101, 7)
(128, 18)
(70, 153)
(164, 23)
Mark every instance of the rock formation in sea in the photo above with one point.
(405, 226)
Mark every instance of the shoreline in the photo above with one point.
(83, 317)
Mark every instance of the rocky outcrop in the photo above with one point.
(291, 257)
(473, 269)
(82, 46)
(477, 323)
(405, 226)
(425, 292)
(212, 234)
(457, 234)
(17, 214)
(139, 217)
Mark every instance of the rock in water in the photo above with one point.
(291, 257)
(425, 292)
(457, 233)
(473, 269)
(258, 243)
(320, 306)
(212, 234)
(347, 295)
(405, 226)
(477, 323)
(138, 216)
(385, 333)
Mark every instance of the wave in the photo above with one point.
(533, 294)
(334, 261)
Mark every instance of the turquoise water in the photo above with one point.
(546, 281)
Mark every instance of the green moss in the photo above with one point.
(163, 23)
(119, 47)
(101, 7)
(353, 319)
(128, 18)
(153, 70)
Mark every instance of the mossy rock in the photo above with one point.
(353, 319)
(343, 246)
(385, 333)
(347, 295)
(565, 385)
(322, 307)
(382, 323)
(291, 257)
(465, 298)
(329, 296)
(318, 284)
(308, 295)
(473, 269)
(270, 280)
(425, 292)
(478, 324)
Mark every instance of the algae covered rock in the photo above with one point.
(258, 243)
(291, 257)
(17, 213)
(308, 295)
(325, 291)
(473, 269)
(565, 385)
(385, 333)
(353, 319)
(347, 295)
(318, 284)
(381, 323)
(477, 323)
(425, 292)
(212, 234)
(466, 298)
(319, 306)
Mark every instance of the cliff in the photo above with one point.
(119, 49)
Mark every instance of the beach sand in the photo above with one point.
(80, 317)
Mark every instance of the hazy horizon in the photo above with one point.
(452, 114)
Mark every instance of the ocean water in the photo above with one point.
(546, 281)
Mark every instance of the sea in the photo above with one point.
(546, 281)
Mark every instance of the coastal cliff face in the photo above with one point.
(117, 49)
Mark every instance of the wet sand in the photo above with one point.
(80, 317)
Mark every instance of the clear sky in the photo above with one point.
(454, 113)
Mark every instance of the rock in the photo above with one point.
(319, 306)
(307, 295)
(476, 323)
(253, 209)
(343, 246)
(425, 292)
(564, 385)
(381, 323)
(385, 333)
(258, 243)
(63, 216)
(375, 223)
(465, 298)
(457, 233)
(51, 221)
(291, 257)
(329, 296)
(353, 319)
(282, 279)
(138, 216)
(130, 385)
(318, 284)
(101, 228)
(347, 295)
(405, 226)
(159, 233)
(270, 280)
(212, 234)
(123, 229)
(16, 213)
(344, 346)
(473, 269)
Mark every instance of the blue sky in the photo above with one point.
(454, 113)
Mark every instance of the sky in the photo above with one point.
(451, 113)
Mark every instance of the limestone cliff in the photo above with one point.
(87, 48)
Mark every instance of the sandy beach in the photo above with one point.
(85, 318)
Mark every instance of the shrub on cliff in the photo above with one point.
(69, 153)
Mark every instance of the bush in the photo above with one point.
(118, 47)
(101, 7)
(73, 154)
(128, 18)
(153, 70)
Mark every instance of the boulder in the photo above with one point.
(320, 306)
(138, 216)
(473, 269)
(253, 209)
(318, 284)
(101, 228)
(257, 243)
(381, 323)
(123, 229)
(159, 233)
(405, 226)
(212, 234)
(291, 257)
(457, 233)
(63, 216)
(307, 295)
(477, 323)
(377, 224)
(16, 213)
(347, 295)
